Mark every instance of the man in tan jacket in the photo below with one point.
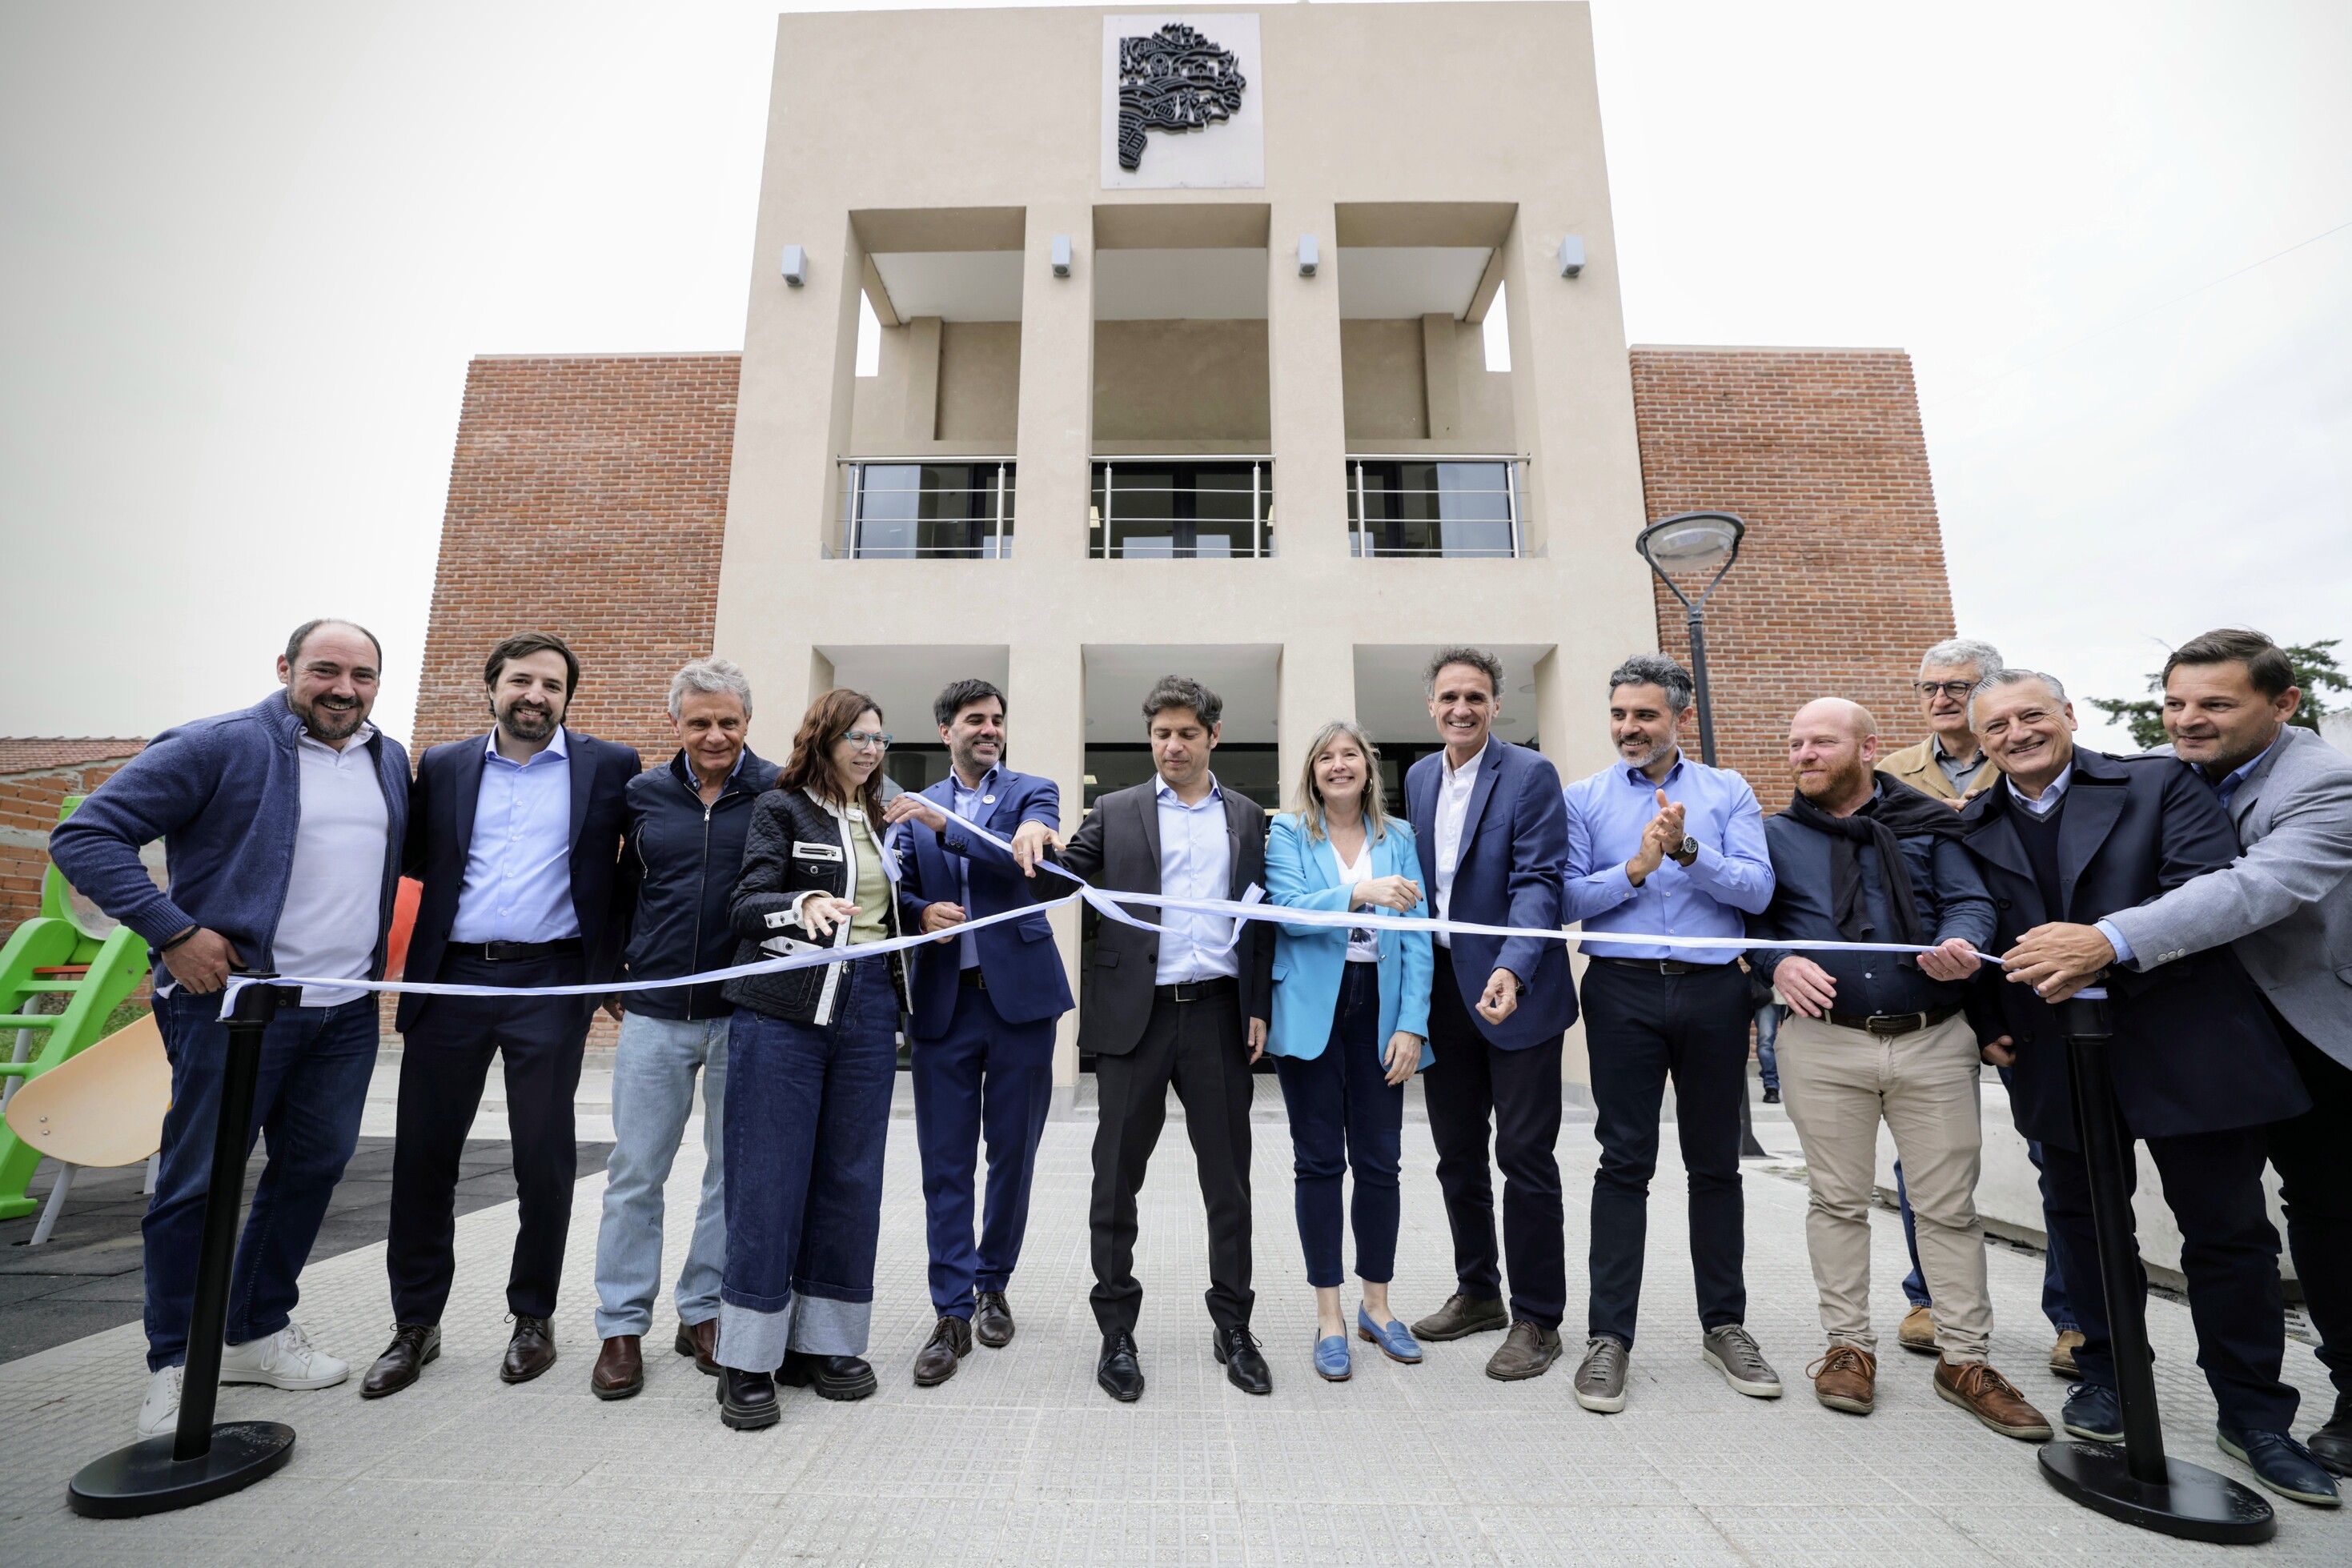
(1948, 765)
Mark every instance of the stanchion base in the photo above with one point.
(144, 1478)
(2195, 1503)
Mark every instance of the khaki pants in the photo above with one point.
(1838, 1084)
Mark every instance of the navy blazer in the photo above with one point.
(441, 830)
(1018, 957)
(1514, 845)
(2194, 1052)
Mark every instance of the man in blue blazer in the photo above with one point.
(517, 836)
(985, 1005)
(1493, 833)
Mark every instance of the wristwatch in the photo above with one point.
(1685, 852)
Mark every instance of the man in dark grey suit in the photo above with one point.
(2285, 905)
(1183, 1003)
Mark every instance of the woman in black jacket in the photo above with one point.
(812, 1063)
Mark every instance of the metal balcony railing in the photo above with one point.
(1188, 508)
(1426, 505)
(913, 508)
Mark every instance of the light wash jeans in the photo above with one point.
(653, 1093)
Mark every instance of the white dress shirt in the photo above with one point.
(328, 924)
(1453, 787)
(1196, 862)
(1363, 941)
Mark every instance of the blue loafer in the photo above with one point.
(2094, 1413)
(1331, 1360)
(2281, 1464)
(1395, 1340)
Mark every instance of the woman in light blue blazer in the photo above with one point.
(1351, 1024)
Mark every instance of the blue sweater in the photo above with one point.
(225, 794)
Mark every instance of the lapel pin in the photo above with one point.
(988, 799)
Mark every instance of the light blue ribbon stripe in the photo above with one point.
(1108, 905)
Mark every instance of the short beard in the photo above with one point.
(326, 722)
(1647, 757)
(528, 724)
(1838, 785)
(967, 760)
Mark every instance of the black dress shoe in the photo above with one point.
(1245, 1369)
(833, 1377)
(991, 1323)
(941, 1353)
(1120, 1374)
(2331, 1445)
(531, 1351)
(747, 1400)
(413, 1345)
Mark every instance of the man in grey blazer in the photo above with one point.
(2286, 904)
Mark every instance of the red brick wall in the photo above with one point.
(29, 810)
(588, 498)
(1840, 585)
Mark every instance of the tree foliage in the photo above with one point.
(2316, 672)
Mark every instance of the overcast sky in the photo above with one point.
(246, 250)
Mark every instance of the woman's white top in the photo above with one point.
(1363, 943)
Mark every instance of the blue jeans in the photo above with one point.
(808, 1108)
(2054, 1265)
(652, 1095)
(1344, 1112)
(315, 1063)
(1767, 1034)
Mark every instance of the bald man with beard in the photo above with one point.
(1860, 856)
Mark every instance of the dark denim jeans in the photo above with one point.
(315, 1063)
(1344, 1112)
(807, 1110)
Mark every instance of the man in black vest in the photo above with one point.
(2074, 835)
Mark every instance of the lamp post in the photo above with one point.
(1691, 542)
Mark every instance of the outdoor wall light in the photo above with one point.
(1061, 255)
(795, 265)
(1309, 255)
(1571, 256)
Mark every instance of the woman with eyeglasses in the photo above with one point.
(1350, 1025)
(812, 1061)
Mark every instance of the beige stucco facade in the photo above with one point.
(974, 139)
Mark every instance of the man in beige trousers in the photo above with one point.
(1859, 856)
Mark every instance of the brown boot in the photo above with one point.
(2061, 1355)
(1918, 1331)
(700, 1341)
(620, 1369)
(1986, 1394)
(1846, 1379)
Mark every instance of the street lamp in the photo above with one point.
(1691, 542)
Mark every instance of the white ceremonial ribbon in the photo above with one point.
(1105, 903)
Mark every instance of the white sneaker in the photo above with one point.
(286, 1359)
(161, 1411)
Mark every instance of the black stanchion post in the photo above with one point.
(2136, 1482)
(201, 1461)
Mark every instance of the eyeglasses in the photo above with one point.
(1957, 690)
(867, 740)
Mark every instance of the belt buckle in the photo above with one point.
(1887, 1025)
(492, 952)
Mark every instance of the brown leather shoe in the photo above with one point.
(620, 1369)
(1918, 1331)
(949, 1343)
(992, 1323)
(1985, 1394)
(531, 1351)
(413, 1345)
(1528, 1351)
(700, 1341)
(2061, 1355)
(1846, 1379)
(1460, 1317)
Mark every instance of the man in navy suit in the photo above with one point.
(985, 1006)
(516, 837)
(1494, 834)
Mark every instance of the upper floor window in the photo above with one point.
(906, 510)
(1184, 508)
(1434, 505)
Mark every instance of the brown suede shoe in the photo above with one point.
(1846, 1379)
(1526, 1351)
(941, 1353)
(620, 1369)
(700, 1341)
(1985, 1394)
(531, 1351)
(2061, 1355)
(1918, 1331)
(1460, 1317)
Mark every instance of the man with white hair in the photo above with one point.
(1949, 764)
(684, 845)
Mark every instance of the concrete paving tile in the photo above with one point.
(1664, 1537)
(1393, 1535)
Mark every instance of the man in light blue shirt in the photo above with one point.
(517, 885)
(1194, 852)
(1664, 845)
